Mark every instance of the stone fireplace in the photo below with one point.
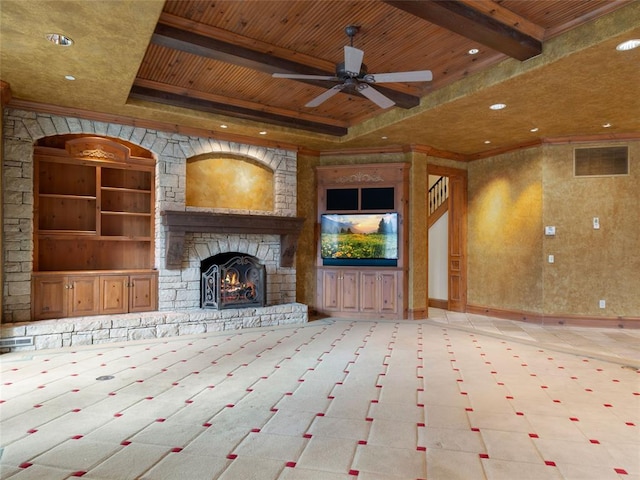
(184, 237)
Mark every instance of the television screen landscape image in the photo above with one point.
(359, 239)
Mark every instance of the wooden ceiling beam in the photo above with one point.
(183, 101)
(212, 97)
(215, 49)
(486, 23)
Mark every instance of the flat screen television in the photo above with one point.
(359, 239)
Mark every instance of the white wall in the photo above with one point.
(438, 258)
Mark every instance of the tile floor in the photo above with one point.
(458, 396)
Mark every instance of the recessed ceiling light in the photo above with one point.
(534, 129)
(59, 39)
(628, 45)
(69, 77)
(607, 125)
(487, 142)
(384, 137)
(224, 126)
(497, 106)
(473, 51)
(263, 132)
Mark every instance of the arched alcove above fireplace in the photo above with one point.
(230, 182)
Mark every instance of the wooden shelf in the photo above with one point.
(122, 189)
(67, 196)
(89, 193)
(125, 214)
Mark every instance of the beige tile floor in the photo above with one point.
(458, 396)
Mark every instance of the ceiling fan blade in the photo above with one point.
(353, 60)
(416, 76)
(375, 96)
(295, 76)
(325, 96)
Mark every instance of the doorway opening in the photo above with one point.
(447, 239)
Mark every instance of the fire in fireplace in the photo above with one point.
(232, 280)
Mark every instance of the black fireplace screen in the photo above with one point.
(232, 280)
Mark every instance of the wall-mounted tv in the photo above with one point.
(364, 239)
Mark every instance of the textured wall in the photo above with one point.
(505, 231)
(513, 196)
(591, 264)
(418, 301)
(306, 253)
(228, 182)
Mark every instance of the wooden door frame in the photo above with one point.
(457, 232)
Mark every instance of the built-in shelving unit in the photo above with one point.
(93, 229)
(370, 289)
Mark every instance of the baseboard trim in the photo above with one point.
(436, 303)
(418, 314)
(556, 319)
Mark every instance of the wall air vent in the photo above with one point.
(16, 342)
(601, 161)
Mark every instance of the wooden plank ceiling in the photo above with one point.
(218, 56)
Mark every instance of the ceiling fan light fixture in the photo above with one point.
(59, 39)
(354, 77)
(628, 45)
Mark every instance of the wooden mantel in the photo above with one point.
(180, 222)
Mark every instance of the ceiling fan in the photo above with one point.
(353, 75)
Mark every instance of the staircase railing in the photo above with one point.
(438, 194)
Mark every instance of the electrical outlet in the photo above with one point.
(603, 304)
(552, 259)
(596, 223)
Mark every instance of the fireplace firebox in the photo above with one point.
(232, 280)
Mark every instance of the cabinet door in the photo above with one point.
(348, 287)
(369, 292)
(84, 295)
(114, 293)
(143, 293)
(49, 297)
(388, 292)
(330, 283)
(379, 292)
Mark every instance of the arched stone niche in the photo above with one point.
(227, 181)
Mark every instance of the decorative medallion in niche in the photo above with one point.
(229, 182)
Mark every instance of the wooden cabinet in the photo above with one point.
(143, 292)
(339, 290)
(93, 228)
(359, 293)
(114, 293)
(379, 292)
(352, 280)
(92, 293)
(59, 296)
